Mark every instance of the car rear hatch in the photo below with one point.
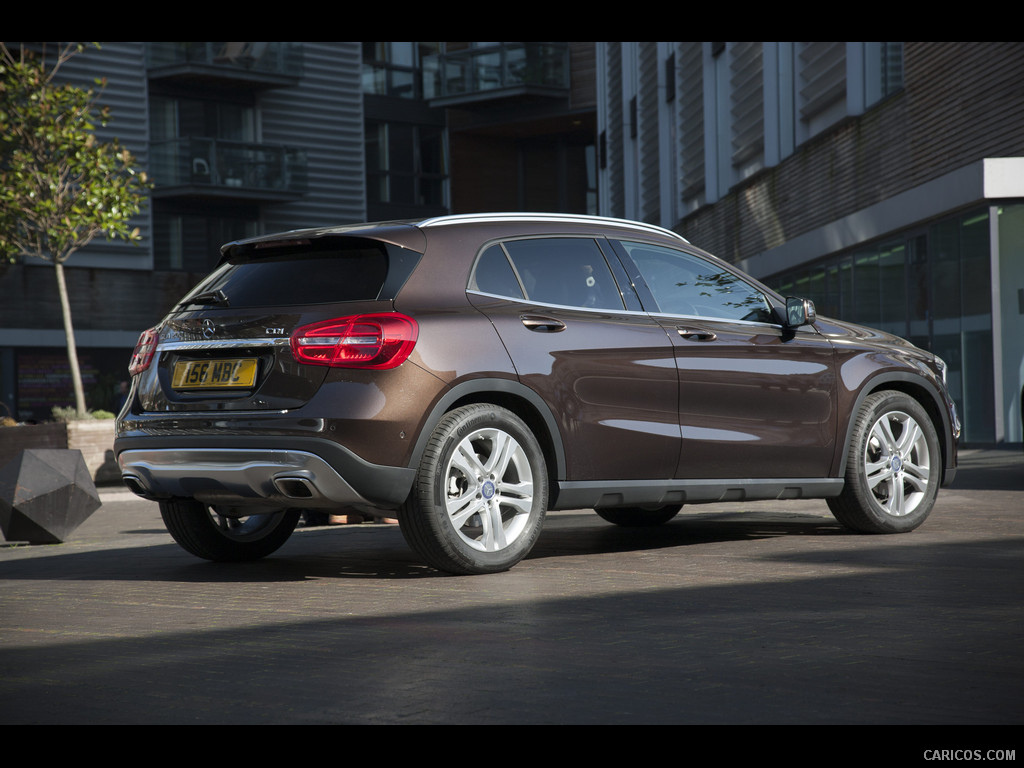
(226, 345)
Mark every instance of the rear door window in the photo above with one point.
(562, 271)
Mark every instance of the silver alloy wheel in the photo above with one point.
(489, 490)
(897, 463)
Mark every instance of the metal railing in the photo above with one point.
(477, 71)
(266, 58)
(228, 165)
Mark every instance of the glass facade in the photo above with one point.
(406, 164)
(1009, 287)
(931, 286)
(395, 69)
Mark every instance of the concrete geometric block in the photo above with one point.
(45, 494)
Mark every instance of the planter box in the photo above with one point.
(95, 439)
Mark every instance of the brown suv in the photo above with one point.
(473, 372)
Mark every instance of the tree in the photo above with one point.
(60, 187)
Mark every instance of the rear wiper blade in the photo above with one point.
(208, 297)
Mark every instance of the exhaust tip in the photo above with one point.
(294, 487)
(134, 484)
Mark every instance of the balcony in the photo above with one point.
(260, 65)
(200, 167)
(499, 71)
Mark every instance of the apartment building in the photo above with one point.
(243, 139)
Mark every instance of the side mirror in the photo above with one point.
(799, 312)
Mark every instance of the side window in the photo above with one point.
(567, 271)
(494, 274)
(683, 284)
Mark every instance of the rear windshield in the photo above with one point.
(312, 272)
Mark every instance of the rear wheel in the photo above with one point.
(200, 530)
(480, 497)
(893, 468)
(639, 517)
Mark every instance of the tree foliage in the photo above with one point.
(59, 186)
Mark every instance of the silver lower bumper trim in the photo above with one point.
(237, 476)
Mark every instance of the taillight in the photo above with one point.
(375, 341)
(144, 351)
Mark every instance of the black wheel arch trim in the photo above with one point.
(948, 441)
(478, 390)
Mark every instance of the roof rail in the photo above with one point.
(440, 221)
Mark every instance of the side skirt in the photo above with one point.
(631, 493)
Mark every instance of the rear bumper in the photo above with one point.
(311, 474)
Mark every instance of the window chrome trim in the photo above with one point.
(631, 312)
(716, 319)
(528, 302)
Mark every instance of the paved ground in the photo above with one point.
(753, 613)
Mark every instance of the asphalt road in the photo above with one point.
(764, 612)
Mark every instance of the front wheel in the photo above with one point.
(893, 467)
(204, 533)
(480, 496)
(638, 517)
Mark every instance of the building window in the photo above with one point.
(883, 70)
(406, 164)
(191, 242)
(172, 118)
(394, 69)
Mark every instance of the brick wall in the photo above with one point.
(961, 102)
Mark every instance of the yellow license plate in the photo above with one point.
(204, 374)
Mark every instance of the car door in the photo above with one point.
(756, 399)
(606, 371)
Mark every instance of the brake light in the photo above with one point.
(377, 341)
(144, 351)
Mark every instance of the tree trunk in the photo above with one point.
(69, 332)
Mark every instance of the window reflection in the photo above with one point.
(683, 284)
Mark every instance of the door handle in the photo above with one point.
(542, 324)
(696, 334)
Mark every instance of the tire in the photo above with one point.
(206, 534)
(639, 517)
(893, 467)
(480, 496)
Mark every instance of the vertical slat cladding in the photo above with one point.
(822, 75)
(122, 65)
(746, 72)
(691, 104)
(616, 127)
(323, 117)
(650, 157)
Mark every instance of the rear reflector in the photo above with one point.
(375, 341)
(144, 351)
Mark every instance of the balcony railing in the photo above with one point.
(233, 59)
(231, 168)
(487, 72)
